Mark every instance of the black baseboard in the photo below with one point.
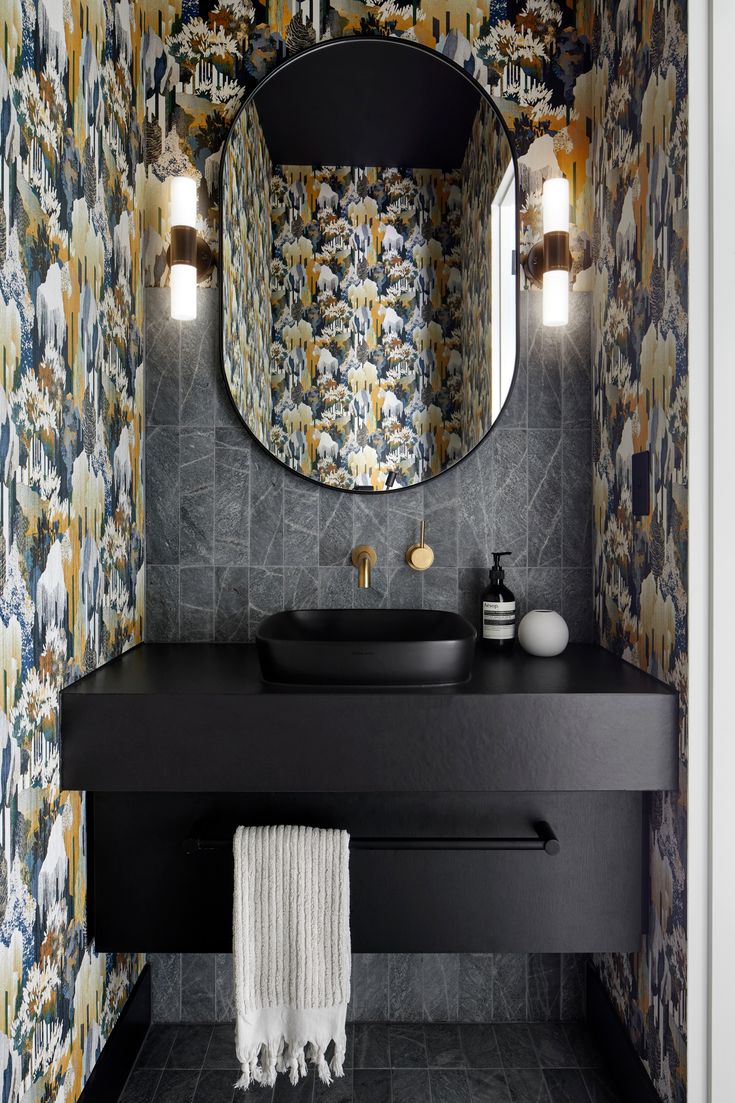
(118, 1055)
(625, 1067)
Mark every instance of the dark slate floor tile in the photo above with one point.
(527, 1086)
(176, 1086)
(516, 1048)
(410, 1086)
(197, 988)
(475, 987)
(405, 987)
(566, 1086)
(371, 1086)
(339, 1091)
(372, 1046)
(190, 1047)
(407, 1046)
(509, 984)
(443, 1046)
(157, 1047)
(369, 971)
(449, 1086)
(141, 1086)
(552, 1046)
(218, 1086)
(224, 995)
(488, 1086)
(221, 1052)
(544, 987)
(301, 1092)
(479, 1046)
(599, 1087)
(349, 1047)
(166, 968)
(441, 987)
(587, 1053)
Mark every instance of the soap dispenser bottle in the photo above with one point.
(498, 610)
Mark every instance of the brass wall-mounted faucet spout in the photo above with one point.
(364, 558)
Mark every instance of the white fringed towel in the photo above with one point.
(291, 950)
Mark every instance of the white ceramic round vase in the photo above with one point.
(543, 632)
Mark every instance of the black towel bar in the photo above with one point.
(543, 839)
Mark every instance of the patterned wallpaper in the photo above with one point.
(637, 97)
(71, 502)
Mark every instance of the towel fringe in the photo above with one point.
(279, 1056)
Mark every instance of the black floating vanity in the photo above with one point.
(456, 797)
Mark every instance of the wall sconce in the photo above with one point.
(549, 263)
(189, 257)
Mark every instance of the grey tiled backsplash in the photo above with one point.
(232, 535)
(465, 988)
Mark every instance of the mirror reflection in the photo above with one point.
(369, 294)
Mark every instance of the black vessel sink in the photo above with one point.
(358, 647)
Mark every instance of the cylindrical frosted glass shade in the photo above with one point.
(183, 201)
(184, 292)
(556, 205)
(556, 298)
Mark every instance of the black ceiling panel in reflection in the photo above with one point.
(367, 103)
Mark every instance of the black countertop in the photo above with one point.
(199, 718)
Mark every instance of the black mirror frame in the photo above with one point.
(343, 43)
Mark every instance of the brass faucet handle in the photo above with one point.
(420, 556)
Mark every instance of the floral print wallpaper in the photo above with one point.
(71, 506)
(637, 96)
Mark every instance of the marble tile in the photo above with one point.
(544, 987)
(197, 988)
(265, 594)
(573, 981)
(544, 588)
(370, 987)
(200, 362)
(566, 1086)
(577, 494)
(232, 497)
(221, 1052)
(443, 1045)
(577, 363)
(266, 510)
(544, 497)
(552, 1046)
(159, 1040)
(475, 508)
(577, 604)
(480, 1046)
(161, 604)
(231, 608)
(335, 529)
(407, 1046)
(405, 511)
(162, 338)
(165, 987)
(471, 581)
(141, 1086)
(510, 494)
(440, 588)
(509, 988)
(190, 1047)
(545, 381)
(475, 988)
(410, 1085)
(449, 1086)
(371, 1046)
(300, 587)
(488, 1086)
(196, 516)
(337, 587)
(516, 1047)
(300, 523)
(370, 524)
(527, 1086)
(406, 588)
(197, 604)
(441, 987)
(371, 1086)
(374, 596)
(226, 415)
(405, 980)
(441, 513)
(224, 994)
(162, 495)
(216, 1086)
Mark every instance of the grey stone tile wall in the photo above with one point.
(232, 535)
(410, 988)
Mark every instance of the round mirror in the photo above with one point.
(368, 263)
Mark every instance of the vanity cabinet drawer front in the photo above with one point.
(148, 894)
